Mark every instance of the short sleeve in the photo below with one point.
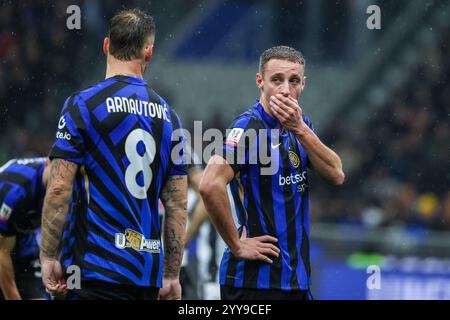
(240, 137)
(177, 151)
(8, 208)
(69, 144)
(310, 125)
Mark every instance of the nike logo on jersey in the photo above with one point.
(275, 146)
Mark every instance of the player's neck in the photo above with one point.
(266, 107)
(131, 68)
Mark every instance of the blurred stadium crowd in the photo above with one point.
(397, 167)
(38, 59)
(399, 163)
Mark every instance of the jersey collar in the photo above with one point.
(129, 79)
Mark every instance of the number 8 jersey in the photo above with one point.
(119, 132)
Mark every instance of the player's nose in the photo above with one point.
(284, 89)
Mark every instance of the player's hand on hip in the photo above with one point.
(53, 277)
(287, 111)
(257, 248)
(171, 290)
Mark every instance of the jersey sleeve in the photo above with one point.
(177, 151)
(9, 207)
(69, 144)
(310, 125)
(239, 140)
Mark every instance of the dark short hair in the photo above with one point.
(282, 53)
(128, 32)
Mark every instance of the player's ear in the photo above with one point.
(148, 52)
(106, 46)
(303, 82)
(259, 80)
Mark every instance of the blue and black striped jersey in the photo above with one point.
(273, 204)
(119, 132)
(21, 198)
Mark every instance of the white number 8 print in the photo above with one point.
(139, 163)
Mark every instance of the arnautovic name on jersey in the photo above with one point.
(138, 107)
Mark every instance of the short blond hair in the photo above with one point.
(282, 53)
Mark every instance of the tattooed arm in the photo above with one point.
(54, 213)
(174, 198)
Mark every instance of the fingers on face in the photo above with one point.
(289, 101)
(282, 100)
(286, 103)
(278, 113)
(276, 102)
(280, 109)
(292, 100)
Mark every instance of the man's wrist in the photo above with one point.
(171, 276)
(171, 271)
(302, 131)
(235, 247)
(45, 254)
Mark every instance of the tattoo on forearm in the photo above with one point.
(174, 243)
(174, 196)
(173, 253)
(56, 205)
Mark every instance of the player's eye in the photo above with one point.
(276, 80)
(295, 81)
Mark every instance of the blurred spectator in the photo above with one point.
(399, 162)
